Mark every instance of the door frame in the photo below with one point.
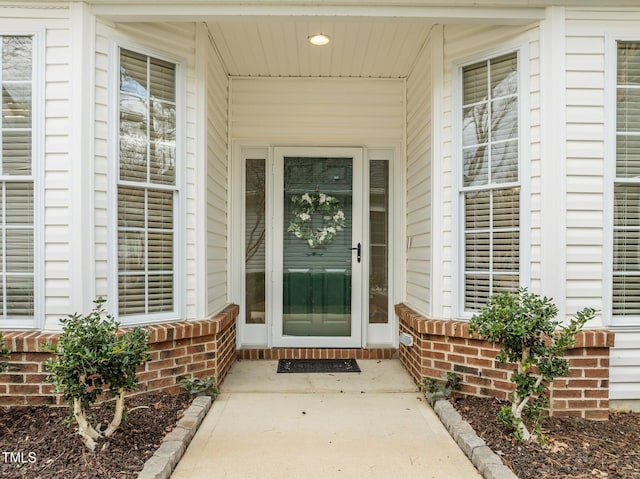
(275, 231)
(257, 336)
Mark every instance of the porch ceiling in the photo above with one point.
(382, 49)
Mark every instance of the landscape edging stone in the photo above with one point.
(174, 444)
(486, 462)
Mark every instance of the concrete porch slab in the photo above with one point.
(373, 424)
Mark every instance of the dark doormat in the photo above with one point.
(318, 366)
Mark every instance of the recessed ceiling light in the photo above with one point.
(319, 39)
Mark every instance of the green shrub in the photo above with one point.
(92, 358)
(443, 387)
(200, 386)
(522, 325)
(4, 354)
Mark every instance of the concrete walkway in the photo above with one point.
(373, 424)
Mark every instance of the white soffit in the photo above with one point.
(357, 49)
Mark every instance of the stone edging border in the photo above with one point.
(486, 461)
(174, 444)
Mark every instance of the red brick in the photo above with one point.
(581, 384)
(35, 378)
(492, 373)
(484, 363)
(28, 389)
(597, 415)
(567, 394)
(596, 373)
(585, 362)
(161, 364)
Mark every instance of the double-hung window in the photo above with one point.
(490, 182)
(626, 209)
(17, 225)
(147, 190)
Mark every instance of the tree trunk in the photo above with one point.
(85, 429)
(117, 415)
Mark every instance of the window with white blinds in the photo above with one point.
(626, 217)
(490, 188)
(147, 188)
(16, 180)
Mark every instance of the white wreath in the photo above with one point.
(305, 206)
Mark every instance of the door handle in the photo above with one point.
(359, 250)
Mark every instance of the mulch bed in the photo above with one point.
(576, 448)
(40, 443)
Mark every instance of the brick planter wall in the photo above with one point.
(182, 349)
(445, 345)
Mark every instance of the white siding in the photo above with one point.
(176, 40)
(585, 136)
(418, 194)
(217, 168)
(624, 376)
(328, 111)
(589, 197)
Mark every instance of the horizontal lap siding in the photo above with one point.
(419, 204)
(326, 111)
(585, 116)
(57, 174)
(625, 366)
(217, 206)
(587, 164)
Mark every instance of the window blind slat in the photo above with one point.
(19, 248)
(131, 203)
(163, 76)
(133, 72)
(16, 105)
(20, 296)
(16, 152)
(19, 203)
(504, 162)
(504, 78)
(628, 156)
(628, 110)
(475, 83)
(628, 63)
(477, 251)
(504, 119)
(506, 208)
(477, 210)
(477, 290)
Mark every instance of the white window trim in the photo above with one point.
(37, 176)
(178, 312)
(622, 323)
(524, 176)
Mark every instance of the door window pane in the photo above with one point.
(255, 230)
(317, 251)
(379, 241)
